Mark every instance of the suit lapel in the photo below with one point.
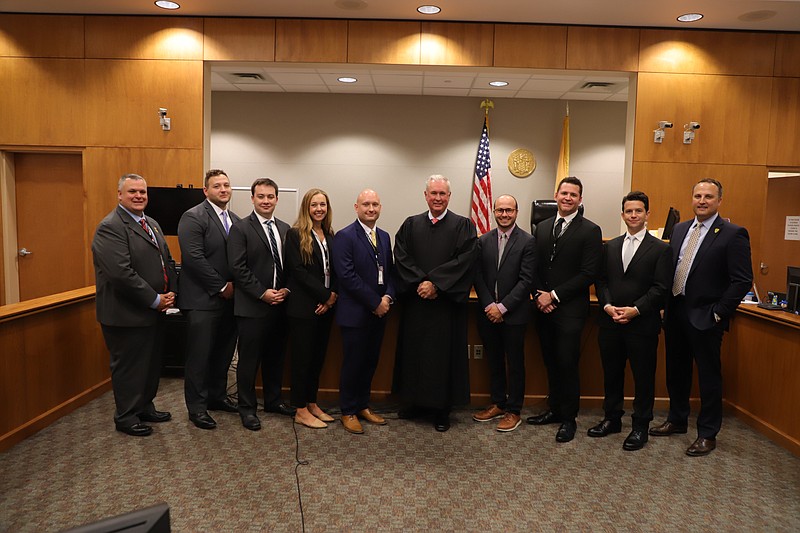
(571, 229)
(137, 227)
(708, 241)
(512, 240)
(259, 229)
(614, 251)
(641, 251)
(212, 214)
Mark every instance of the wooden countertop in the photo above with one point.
(780, 317)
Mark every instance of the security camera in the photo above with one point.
(692, 126)
(162, 111)
(664, 124)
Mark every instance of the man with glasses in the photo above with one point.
(504, 276)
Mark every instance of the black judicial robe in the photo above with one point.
(431, 364)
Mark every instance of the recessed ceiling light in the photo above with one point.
(347, 79)
(429, 10)
(166, 4)
(690, 17)
(498, 83)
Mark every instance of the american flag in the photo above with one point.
(482, 185)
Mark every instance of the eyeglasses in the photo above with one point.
(506, 211)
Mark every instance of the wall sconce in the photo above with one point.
(163, 120)
(658, 134)
(689, 131)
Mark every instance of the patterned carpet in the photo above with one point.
(399, 477)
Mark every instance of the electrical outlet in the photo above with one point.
(478, 352)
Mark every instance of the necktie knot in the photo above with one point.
(434, 220)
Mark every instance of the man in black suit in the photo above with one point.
(713, 272)
(362, 260)
(206, 298)
(568, 252)
(135, 277)
(635, 275)
(503, 280)
(255, 257)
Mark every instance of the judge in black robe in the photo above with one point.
(434, 257)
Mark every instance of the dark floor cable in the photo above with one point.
(298, 464)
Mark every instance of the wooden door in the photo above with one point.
(50, 221)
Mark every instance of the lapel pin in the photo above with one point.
(716, 230)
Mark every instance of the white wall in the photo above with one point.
(345, 143)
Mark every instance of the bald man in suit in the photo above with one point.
(136, 280)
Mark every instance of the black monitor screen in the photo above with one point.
(673, 217)
(167, 204)
(793, 289)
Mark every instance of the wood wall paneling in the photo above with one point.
(596, 48)
(670, 185)
(528, 45)
(733, 112)
(308, 41)
(707, 52)
(239, 39)
(384, 42)
(123, 98)
(43, 102)
(787, 54)
(784, 127)
(41, 35)
(783, 199)
(451, 43)
(12, 367)
(115, 37)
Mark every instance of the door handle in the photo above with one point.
(24, 252)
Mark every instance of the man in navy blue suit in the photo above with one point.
(713, 272)
(362, 258)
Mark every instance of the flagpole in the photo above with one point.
(481, 202)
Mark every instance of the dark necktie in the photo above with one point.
(152, 235)
(558, 228)
(276, 257)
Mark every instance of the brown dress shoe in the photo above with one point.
(490, 413)
(510, 422)
(667, 428)
(701, 447)
(373, 418)
(352, 425)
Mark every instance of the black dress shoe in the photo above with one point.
(668, 428)
(566, 432)
(225, 405)
(136, 430)
(441, 422)
(155, 416)
(605, 427)
(281, 409)
(702, 446)
(251, 422)
(635, 440)
(548, 417)
(202, 420)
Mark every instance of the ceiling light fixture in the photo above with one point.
(347, 79)
(429, 10)
(498, 83)
(690, 17)
(166, 4)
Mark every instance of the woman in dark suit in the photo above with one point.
(312, 286)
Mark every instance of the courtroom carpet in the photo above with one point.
(400, 477)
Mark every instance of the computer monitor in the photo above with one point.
(153, 519)
(544, 209)
(793, 289)
(673, 217)
(167, 204)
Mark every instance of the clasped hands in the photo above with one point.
(427, 290)
(621, 315)
(383, 307)
(166, 301)
(275, 296)
(323, 308)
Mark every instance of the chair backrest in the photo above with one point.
(544, 209)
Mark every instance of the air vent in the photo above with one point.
(249, 76)
(596, 85)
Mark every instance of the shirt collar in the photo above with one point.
(366, 228)
(135, 217)
(440, 217)
(638, 236)
(217, 210)
(707, 223)
(568, 218)
(262, 219)
(506, 233)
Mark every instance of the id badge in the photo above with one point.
(380, 274)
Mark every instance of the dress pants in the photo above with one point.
(505, 341)
(684, 344)
(261, 341)
(309, 338)
(362, 348)
(560, 339)
(210, 342)
(618, 345)
(135, 368)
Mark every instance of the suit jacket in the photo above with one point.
(721, 273)
(645, 285)
(250, 261)
(128, 270)
(574, 266)
(356, 267)
(514, 275)
(204, 258)
(307, 282)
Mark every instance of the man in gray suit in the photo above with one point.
(255, 257)
(504, 277)
(135, 277)
(206, 298)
